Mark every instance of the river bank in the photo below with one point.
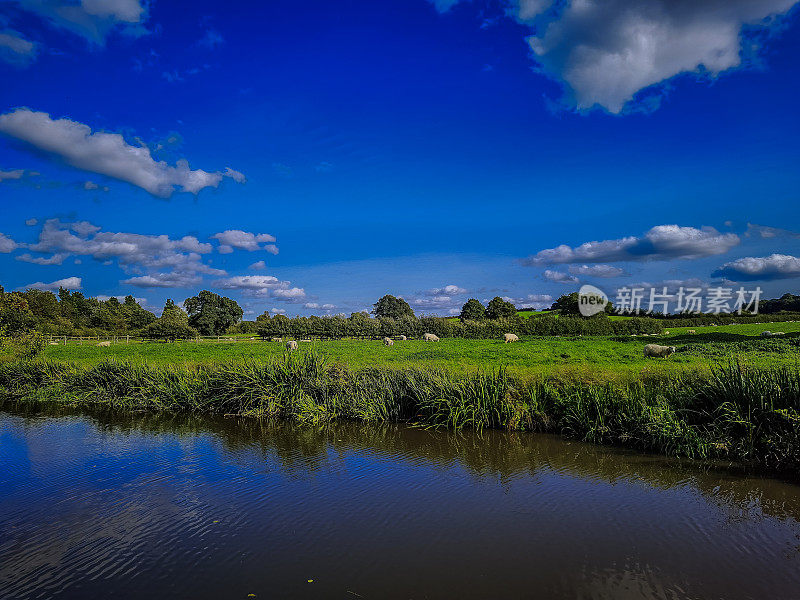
(733, 413)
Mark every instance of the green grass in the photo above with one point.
(730, 412)
(593, 359)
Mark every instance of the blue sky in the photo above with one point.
(310, 158)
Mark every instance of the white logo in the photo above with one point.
(591, 300)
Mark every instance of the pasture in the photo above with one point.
(589, 359)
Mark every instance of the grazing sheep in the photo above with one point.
(509, 337)
(666, 333)
(54, 343)
(691, 332)
(657, 351)
(275, 339)
(291, 345)
(388, 341)
(402, 338)
(633, 335)
(429, 337)
(766, 334)
(104, 344)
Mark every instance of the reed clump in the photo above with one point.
(729, 412)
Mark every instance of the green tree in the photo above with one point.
(472, 310)
(173, 324)
(212, 314)
(568, 305)
(500, 309)
(135, 316)
(390, 307)
(16, 317)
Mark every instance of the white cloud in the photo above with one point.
(605, 271)
(31, 222)
(92, 19)
(153, 260)
(262, 286)
(56, 259)
(278, 311)
(448, 290)
(258, 266)
(15, 174)
(559, 277)
(244, 240)
(237, 176)
(663, 242)
(608, 50)
(751, 268)
(15, 49)
(7, 244)
(69, 283)
(316, 306)
(765, 232)
(105, 153)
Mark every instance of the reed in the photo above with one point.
(731, 412)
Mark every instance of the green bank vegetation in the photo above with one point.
(730, 412)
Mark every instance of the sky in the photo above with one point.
(307, 158)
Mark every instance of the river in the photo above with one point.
(109, 505)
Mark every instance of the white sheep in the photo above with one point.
(388, 341)
(291, 345)
(54, 343)
(104, 344)
(657, 351)
(510, 337)
(402, 338)
(429, 337)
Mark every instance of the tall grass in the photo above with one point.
(732, 412)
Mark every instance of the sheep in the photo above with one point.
(388, 341)
(402, 338)
(510, 337)
(657, 351)
(276, 339)
(666, 333)
(429, 337)
(54, 343)
(291, 345)
(105, 344)
(778, 333)
(766, 334)
(691, 332)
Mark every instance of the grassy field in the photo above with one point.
(590, 359)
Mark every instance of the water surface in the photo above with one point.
(152, 506)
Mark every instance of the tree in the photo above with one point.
(16, 317)
(472, 310)
(568, 305)
(500, 309)
(173, 324)
(390, 307)
(135, 316)
(212, 314)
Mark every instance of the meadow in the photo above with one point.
(590, 359)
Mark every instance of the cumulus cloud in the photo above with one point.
(604, 271)
(765, 232)
(69, 283)
(55, 259)
(92, 19)
(278, 311)
(663, 242)
(258, 266)
(15, 49)
(7, 244)
(559, 277)
(152, 260)
(752, 268)
(244, 240)
(15, 174)
(448, 290)
(267, 286)
(606, 51)
(316, 306)
(106, 154)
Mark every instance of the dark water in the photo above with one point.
(143, 506)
